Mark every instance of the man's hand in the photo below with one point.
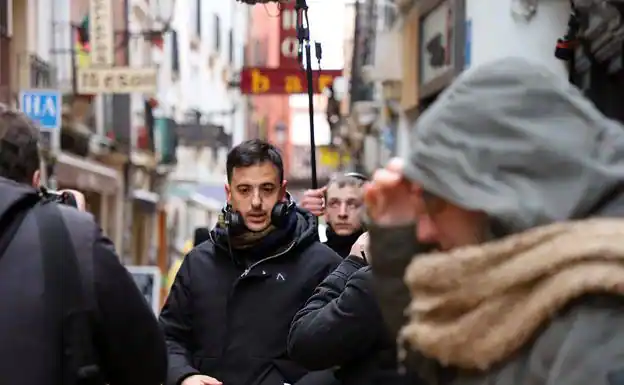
(200, 379)
(360, 247)
(314, 201)
(81, 203)
(391, 199)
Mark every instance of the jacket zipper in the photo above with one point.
(247, 270)
(231, 293)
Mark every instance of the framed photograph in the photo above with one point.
(148, 279)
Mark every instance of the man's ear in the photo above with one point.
(283, 189)
(228, 192)
(36, 179)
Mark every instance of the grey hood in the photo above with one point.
(514, 140)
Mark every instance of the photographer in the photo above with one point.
(70, 313)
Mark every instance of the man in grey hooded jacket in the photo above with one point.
(515, 179)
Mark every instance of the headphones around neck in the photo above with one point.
(279, 214)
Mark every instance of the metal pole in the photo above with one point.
(303, 35)
(308, 55)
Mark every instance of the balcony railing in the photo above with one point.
(36, 72)
(42, 74)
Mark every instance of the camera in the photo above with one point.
(60, 197)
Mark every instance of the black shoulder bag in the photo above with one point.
(12, 219)
(66, 307)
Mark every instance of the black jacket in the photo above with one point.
(127, 339)
(231, 321)
(341, 244)
(342, 326)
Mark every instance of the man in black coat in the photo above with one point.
(125, 336)
(227, 317)
(342, 326)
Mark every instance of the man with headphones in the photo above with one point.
(227, 317)
(341, 203)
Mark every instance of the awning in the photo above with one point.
(212, 191)
(210, 196)
(205, 202)
(86, 174)
(145, 200)
(146, 196)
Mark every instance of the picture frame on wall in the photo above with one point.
(149, 280)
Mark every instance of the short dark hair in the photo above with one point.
(19, 147)
(253, 152)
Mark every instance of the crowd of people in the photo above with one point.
(492, 255)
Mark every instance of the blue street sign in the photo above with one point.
(43, 107)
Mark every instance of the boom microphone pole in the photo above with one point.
(303, 35)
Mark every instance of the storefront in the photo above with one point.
(102, 186)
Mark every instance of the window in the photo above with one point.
(4, 17)
(217, 33)
(390, 15)
(198, 18)
(231, 47)
(259, 57)
(40, 73)
(175, 52)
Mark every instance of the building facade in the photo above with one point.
(269, 114)
(42, 59)
(199, 63)
(420, 46)
(48, 44)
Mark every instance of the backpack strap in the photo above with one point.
(65, 301)
(12, 219)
